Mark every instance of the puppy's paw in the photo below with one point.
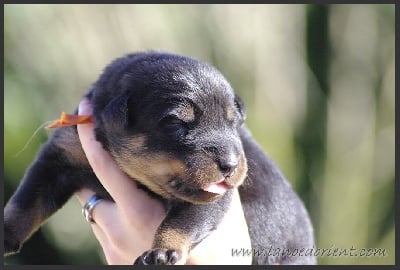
(11, 247)
(11, 244)
(158, 256)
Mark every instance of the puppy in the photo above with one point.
(174, 125)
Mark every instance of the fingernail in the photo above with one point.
(85, 107)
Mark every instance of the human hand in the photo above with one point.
(126, 228)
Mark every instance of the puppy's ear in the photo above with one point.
(240, 107)
(115, 114)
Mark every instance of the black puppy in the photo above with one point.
(174, 125)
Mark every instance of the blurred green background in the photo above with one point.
(318, 82)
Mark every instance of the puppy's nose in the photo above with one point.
(228, 165)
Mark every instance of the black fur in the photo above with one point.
(173, 109)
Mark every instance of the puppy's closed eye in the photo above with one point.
(174, 125)
(178, 120)
(241, 110)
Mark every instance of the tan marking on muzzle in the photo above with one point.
(152, 170)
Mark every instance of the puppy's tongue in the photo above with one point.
(218, 188)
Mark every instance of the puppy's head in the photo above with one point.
(171, 123)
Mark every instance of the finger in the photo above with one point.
(83, 196)
(105, 228)
(104, 166)
(104, 213)
(120, 241)
(132, 202)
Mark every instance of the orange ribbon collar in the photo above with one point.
(70, 120)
